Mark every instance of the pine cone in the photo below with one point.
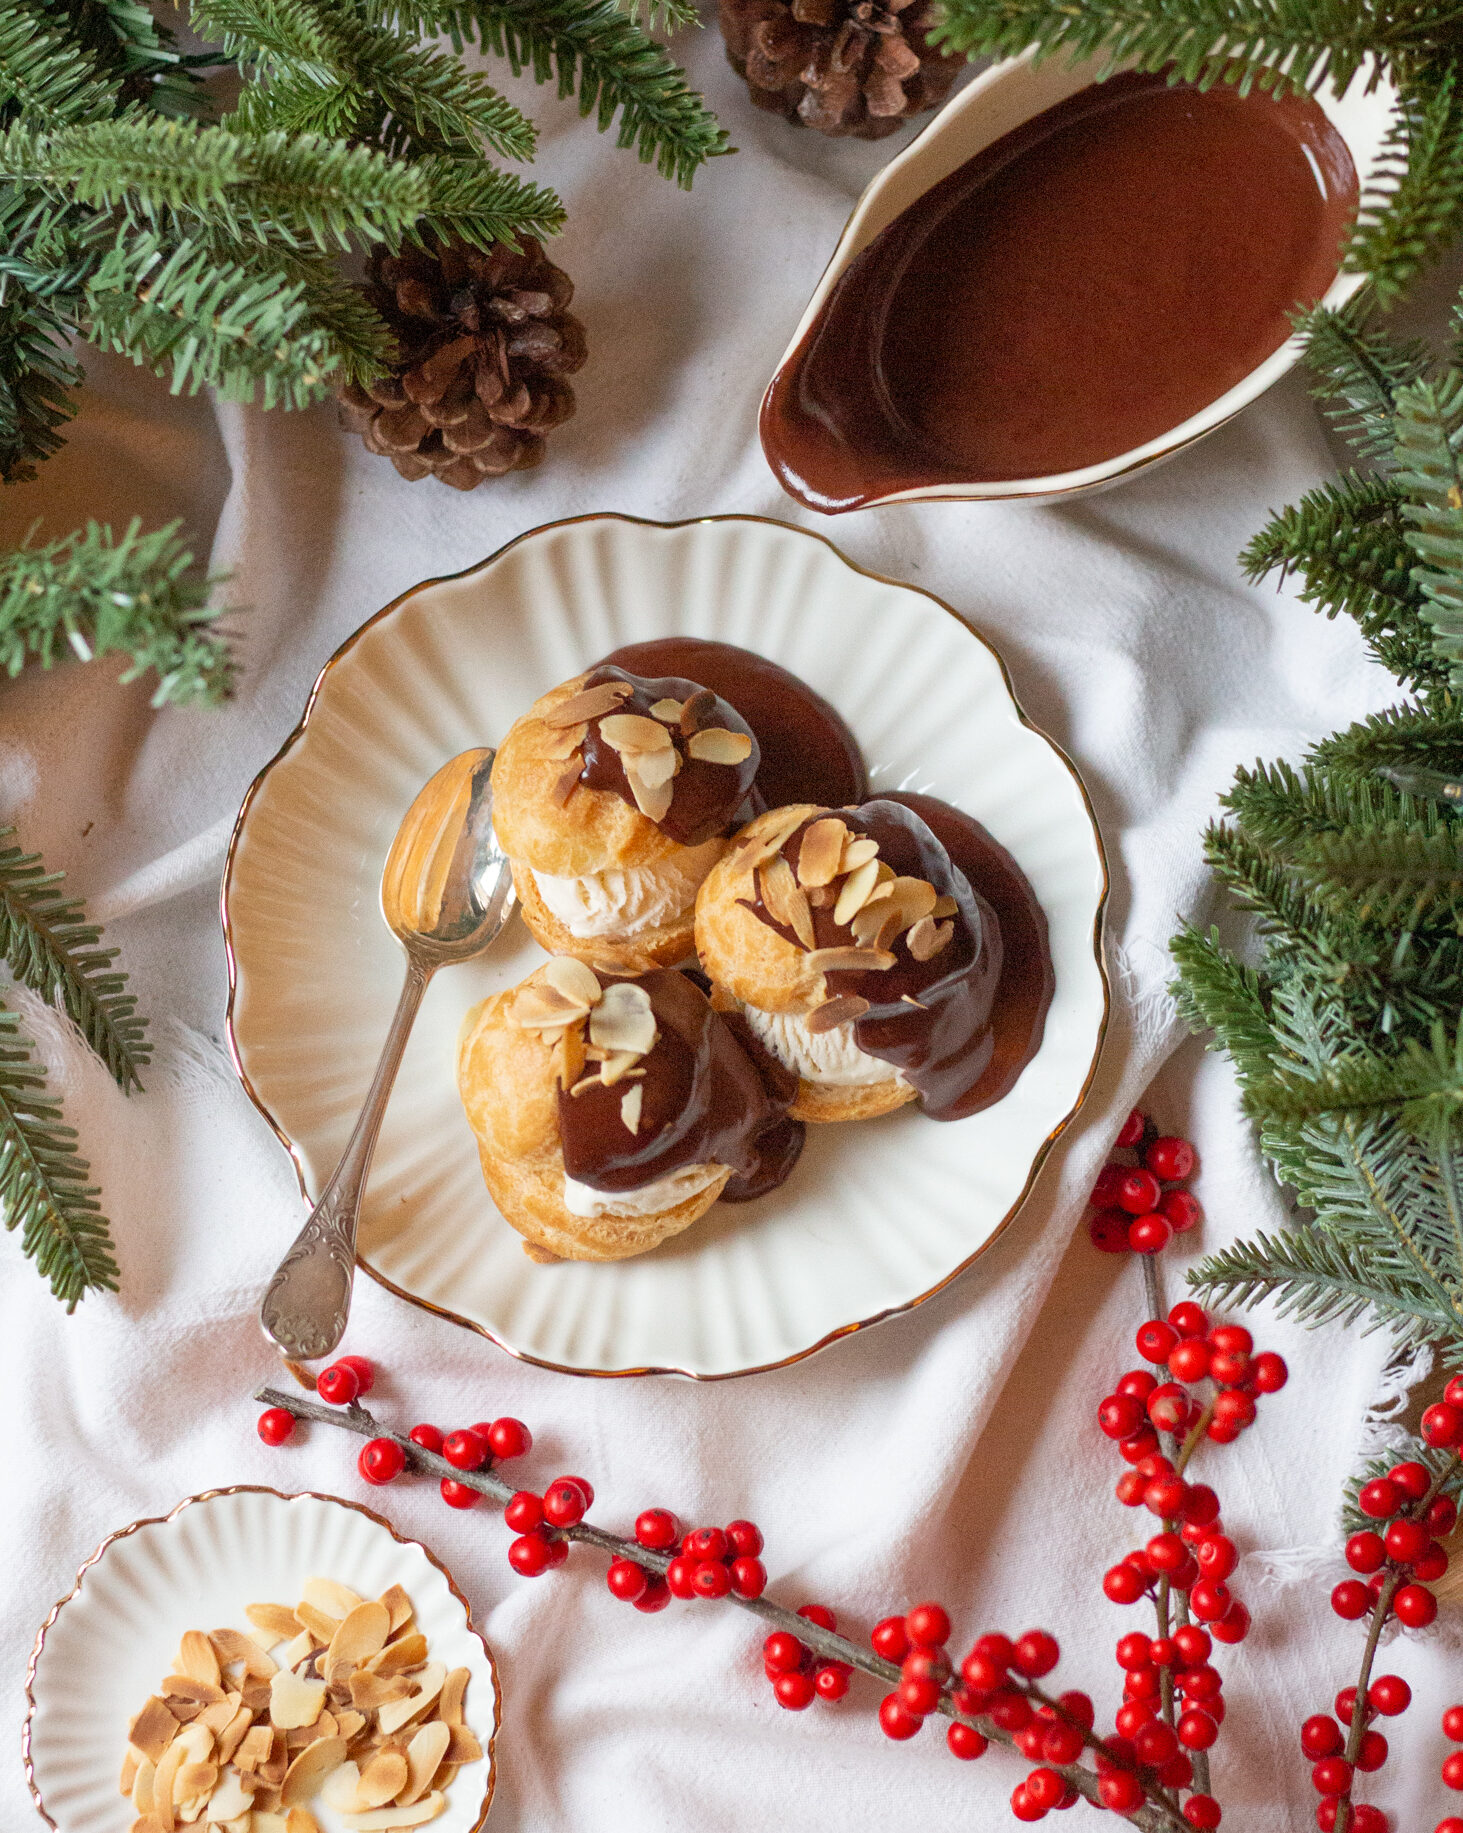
(484, 345)
(843, 66)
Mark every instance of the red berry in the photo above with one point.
(1230, 1370)
(919, 1697)
(1061, 1743)
(1351, 1599)
(1156, 1339)
(1142, 1683)
(1190, 1359)
(626, 1580)
(338, 1384)
(1442, 1515)
(1453, 1392)
(655, 1596)
(1201, 1683)
(1121, 1791)
(363, 1370)
(565, 1501)
(889, 1639)
(1189, 1319)
(1332, 1776)
(1168, 1407)
(831, 1680)
(1453, 1724)
(1133, 1715)
(966, 1742)
(1453, 1770)
(1209, 1599)
(1129, 1488)
(894, 1721)
(1453, 1824)
(1217, 1556)
(1346, 1705)
(744, 1539)
(1269, 1372)
(1156, 1744)
(980, 1672)
(794, 1691)
(1165, 1553)
(1107, 1229)
(428, 1437)
(1412, 1478)
(530, 1555)
(1105, 1190)
(1123, 1585)
(926, 1663)
(1170, 1159)
(509, 1438)
(381, 1459)
(1120, 1416)
(1197, 1730)
(1011, 1711)
(1181, 1211)
(711, 1579)
(782, 1651)
(524, 1512)
(1134, 1650)
(1203, 1811)
(748, 1577)
(1141, 1445)
(680, 1576)
(1045, 1787)
(1138, 1192)
(927, 1625)
(1406, 1540)
(1023, 1807)
(1166, 1496)
(1036, 1653)
(1415, 1606)
(1234, 1625)
(464, 1450)
(1367, 1819)
(1389, 1694)
(1149, 1234)
(1321, 1736)
(706, 1543)
(1373, 1751)
(1132, 1129)
(658, 1529)
(1192, 1643)
(275, 1425)
(1380, 1498)
(1326, 1814)
(1442, 1426)
(458, 1495)
(1366, 1552)
(1233, 1408)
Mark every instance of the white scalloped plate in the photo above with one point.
(109, 1643)
(876, 1216)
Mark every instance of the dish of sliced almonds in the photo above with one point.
(333, 1699)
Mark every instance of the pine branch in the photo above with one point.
(1359, 374)
(1393, 875)
(37, 379)
(1217, 993)
(1412, 206)
(1429, 422)
(1282, 808)
(1311, 41)
(1426, 1082)
(43, 1183)
(1419, 738)
(50, 947)
(45, 73)
(97, 593)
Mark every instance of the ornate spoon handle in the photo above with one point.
(308, 1300)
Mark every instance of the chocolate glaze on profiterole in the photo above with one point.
(705, 797)
(1085, 284)
(808, 752)
(707, 1100)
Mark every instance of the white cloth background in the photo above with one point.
(950, 1452)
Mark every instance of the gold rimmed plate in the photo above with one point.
(110, 1642)
(876, 1216)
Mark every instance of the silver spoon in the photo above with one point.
(446, 892)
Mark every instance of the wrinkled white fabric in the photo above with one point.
(949, 1452)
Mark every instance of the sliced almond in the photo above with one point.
(301, 1649)
(464, 1747)
(146, 1824)
(927, 938)
(396, 1600)
(404, 1652)
(858, 850)
(415, 1816)
(301, 1820)
(229, 1799)
(369, 1692)
(667, 711)
(578, 982)
(719, 745)
(131, 1763)
(589, 703)
(563, 743)
(850, 960)
(632, 732)
(362, 1634)
(854, 892)
(914, 896)
(630, 1104)
(652, 799)
(568, 1059)
(785, 900)
(163, 1782)
(877, 924)
(402, 1711)
(698, 711)
(309, 1770)
(252, 1750)
(624, 1019)
(196, 1658)
(256, 1693)
(153, 1729)
(944, 906)
(233, 1734)
(266, 1821)
(565, 784)
(835, 1012)
(318, 1624)
(142, 1782)
(821, 852)
(339, 1791)
(823, 897)
(196, 1779)
(541, 1007)
(423, 1758)
(330, 1596)
(243, 1824)
(216, 1717)
(382, 1779)
(272, 1769)
(184, 1686)
(656, 768)
(231, 1645)
(752, 849)
(348, 1723)
(294, 1701)
(449, 1705)
(277, 1619)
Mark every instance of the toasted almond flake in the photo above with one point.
(184, 1686)
(277, 1619)
(576, 980)
(854, 892)
(382, 1779)
(319, 1624)
(164, 1780)
(416, 1815)
(464, 1747)
(877, 924)
(153, 1729)
(309, 1770)
(927, 937)
(142, 1786)
(944, 907)
(541, 1007)
(339, 1791)
(402, 1711)
(914, 896)
(253, 1749)
(196, 1658)
(568, 1067)
(216, 1717)
(423, 1758)
(835, 1012)
(146, 1824)
(589, 703)
(719, 745)
(449, 1705)
(910, 1000)
(785, 900)
(667, 711)
(653, 800)
(301, 1820)
(858, 850)
(349, 1723)
(619, 1066)
(820, 851)
(624, 1019)
(196, 1779)
(362, 1634)
(330, 1596)
(272, 1769)
(369, 1692)
(630, 1104)
(265, 1821)
(131, 1763)
(698, 711)
(822, 897)
(233, 1734)
(754, 848)
(399, 1604)
(584, 1084)
(242, 1824)
(850, 960)
(229, 1799)
(564, 784)
(231, 1645)
(632, 732)
(656, 768)
(563, 743)
(293, 1701)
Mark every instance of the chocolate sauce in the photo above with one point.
(808, 752)
(706, 798)
(1080, 287)
(706, 1100)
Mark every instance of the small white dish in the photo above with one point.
(110, 1642)
(998, 101)
(876, 1216)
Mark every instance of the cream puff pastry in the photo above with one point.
(612, 1112)
(613, 797)
(857, 955)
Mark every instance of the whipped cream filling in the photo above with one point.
(626, 901)
(830, 1057)
(648, 1200)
